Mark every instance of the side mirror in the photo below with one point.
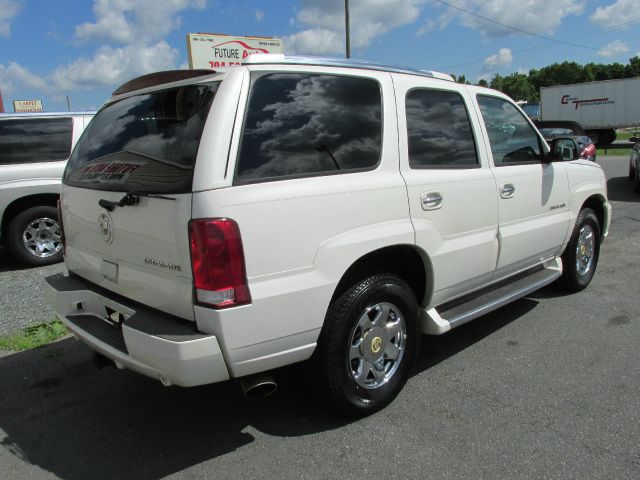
(563, 149)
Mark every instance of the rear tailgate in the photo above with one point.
(139, 251)
(126, 199)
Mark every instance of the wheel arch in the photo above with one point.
(597, 204)
(21, 204)
(407, 261)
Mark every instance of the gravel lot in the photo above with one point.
(547, 387)
(22, 294)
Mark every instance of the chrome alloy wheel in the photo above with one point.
(585, 249)
(376, 345)
(41, 237)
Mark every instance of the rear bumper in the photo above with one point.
(149, 342)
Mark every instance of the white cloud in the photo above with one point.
(613, 49)
(537, 16)
(618, 12)
(498, 60)
(13, 76)
(259, 15)
(8, 10)
(368, 19)
(317, 41)
(129, 21)
(112, 66)
(426, 27)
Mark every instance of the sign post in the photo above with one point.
(212, 51)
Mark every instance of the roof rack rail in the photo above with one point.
(268, 58)
(158, 78)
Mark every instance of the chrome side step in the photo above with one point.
(448, 316)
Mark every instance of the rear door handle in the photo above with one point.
(431, 200)
(507, 190)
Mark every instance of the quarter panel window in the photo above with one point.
(512, 138)
(28, 140)
(439, 131)
(302, 124)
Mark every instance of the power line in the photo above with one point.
(613, 27)
(516, 29)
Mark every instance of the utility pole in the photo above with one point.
(346, 28)
(68, 104)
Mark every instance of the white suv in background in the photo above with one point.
(34, 149)
(221, 225)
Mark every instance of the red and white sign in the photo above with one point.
(23, 106)
(212, 51)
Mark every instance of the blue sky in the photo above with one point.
(85, 48)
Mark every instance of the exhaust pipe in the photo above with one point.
(258, 385)
(101, 361)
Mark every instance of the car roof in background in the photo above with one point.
(44, 114)
(575, 127)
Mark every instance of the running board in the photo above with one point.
(451, 315)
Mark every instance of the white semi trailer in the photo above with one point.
(600, 107)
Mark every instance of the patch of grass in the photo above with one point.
(614, 152)
(627, 134)
(34, 336)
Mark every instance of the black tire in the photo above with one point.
(35, 244)
(583, 248)
(636, 181)
(391, 303)
(632, 173)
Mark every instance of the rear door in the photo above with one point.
(451, 190)
(127, 196)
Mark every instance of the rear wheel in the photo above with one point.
(368, 345)
(636, 180)
(580, 258)
(34, 236)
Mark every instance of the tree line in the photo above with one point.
(526, 86)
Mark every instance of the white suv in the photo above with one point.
(221, 225)
(34, 149)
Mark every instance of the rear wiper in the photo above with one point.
(129, 199)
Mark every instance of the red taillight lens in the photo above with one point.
(589, 151)
(217, 260)
(60, 224)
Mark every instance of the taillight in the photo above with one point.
(59, 207)
(589, 151)
(217, 260)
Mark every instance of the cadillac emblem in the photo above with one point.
(105, 227)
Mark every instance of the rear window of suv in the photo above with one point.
(29, 140)
(146, 143)
(304, 124)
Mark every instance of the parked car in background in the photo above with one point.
(567, 129)
(34, 149)
(634, 163)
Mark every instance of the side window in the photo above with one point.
(306, 124)
(511, 137)
(439, 131)
(28, 140)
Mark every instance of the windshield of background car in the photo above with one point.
(144, 143)
(555, 132)
(27, 140)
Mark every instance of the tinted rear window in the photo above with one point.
(145, 143)
(28, 140)
(302, 124)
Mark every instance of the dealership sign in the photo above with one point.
(22, 106)
(211, 51)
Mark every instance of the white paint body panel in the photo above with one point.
(301, 235)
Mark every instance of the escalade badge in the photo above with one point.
(105, 227)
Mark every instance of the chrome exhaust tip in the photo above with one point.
(258, 386)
